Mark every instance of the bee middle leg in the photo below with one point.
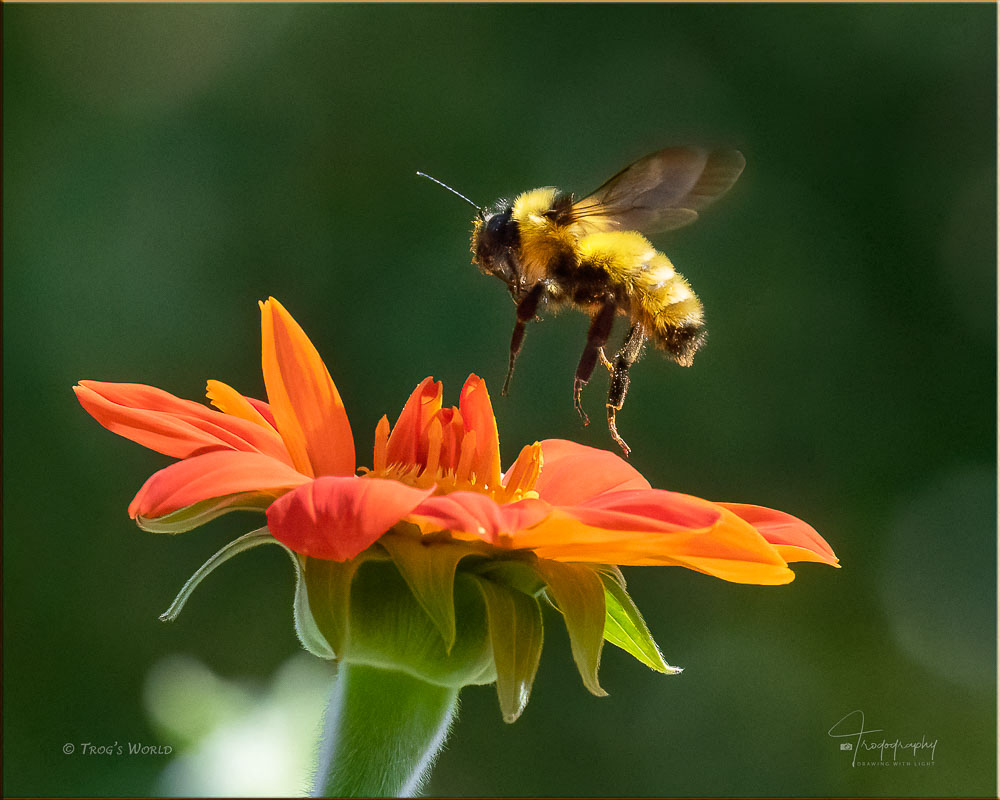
(625, 358)
(525, 311)
(597, 337)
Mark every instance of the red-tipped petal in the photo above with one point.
(574, 473)
(408, 439)
(479, 515)
(620, 527)
(336, 518)
(794, 539)
(477, 413)
(305, 402)
(211, 475)
(179, 428)
(648, 510)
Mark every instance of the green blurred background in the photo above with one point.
(166, 167)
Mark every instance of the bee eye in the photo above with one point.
(501, 229)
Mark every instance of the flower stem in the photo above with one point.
(383, 731)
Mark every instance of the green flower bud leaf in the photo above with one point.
(624, 626)
(515, 623)
(428, 565)
(328, 594)
(577, 592)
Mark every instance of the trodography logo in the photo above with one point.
(863, 744)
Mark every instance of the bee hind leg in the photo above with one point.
(597, 337)
(525, 311)
(604, 360)
(624, 359)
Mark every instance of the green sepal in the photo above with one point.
(328, 594)
(241, 544)
(577, 592)
(197, 514)
(624, 626)
(306, 629)
(428, 565)
(516, 569)
(305, 626)
(515, 625)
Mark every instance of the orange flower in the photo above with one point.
(552, 526)
(437, 467)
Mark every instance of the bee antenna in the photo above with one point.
(446, 186)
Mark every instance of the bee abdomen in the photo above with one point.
(652, 291)
(670, 310)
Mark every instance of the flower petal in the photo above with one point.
(263, 409)
(448, 428)
(653, 527)
(649, 510)
(479, 515)
(792, 538)
(211, 475)
(715, 551)
(179, 428)
(524, 472)
(335, 518)
(408, 439)
(225, 398)
(305, 402)
(573, 473)
(477, 412)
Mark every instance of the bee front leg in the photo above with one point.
(625, 358)
(597, 337)
(525, 311)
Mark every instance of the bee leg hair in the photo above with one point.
(624, 359)
(597, 337)
(525, 311)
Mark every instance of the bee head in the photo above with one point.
(495, 241)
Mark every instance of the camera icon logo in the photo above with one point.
(846, 746)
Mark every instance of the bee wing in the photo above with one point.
(660, 192)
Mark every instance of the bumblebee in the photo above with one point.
(554, 251)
